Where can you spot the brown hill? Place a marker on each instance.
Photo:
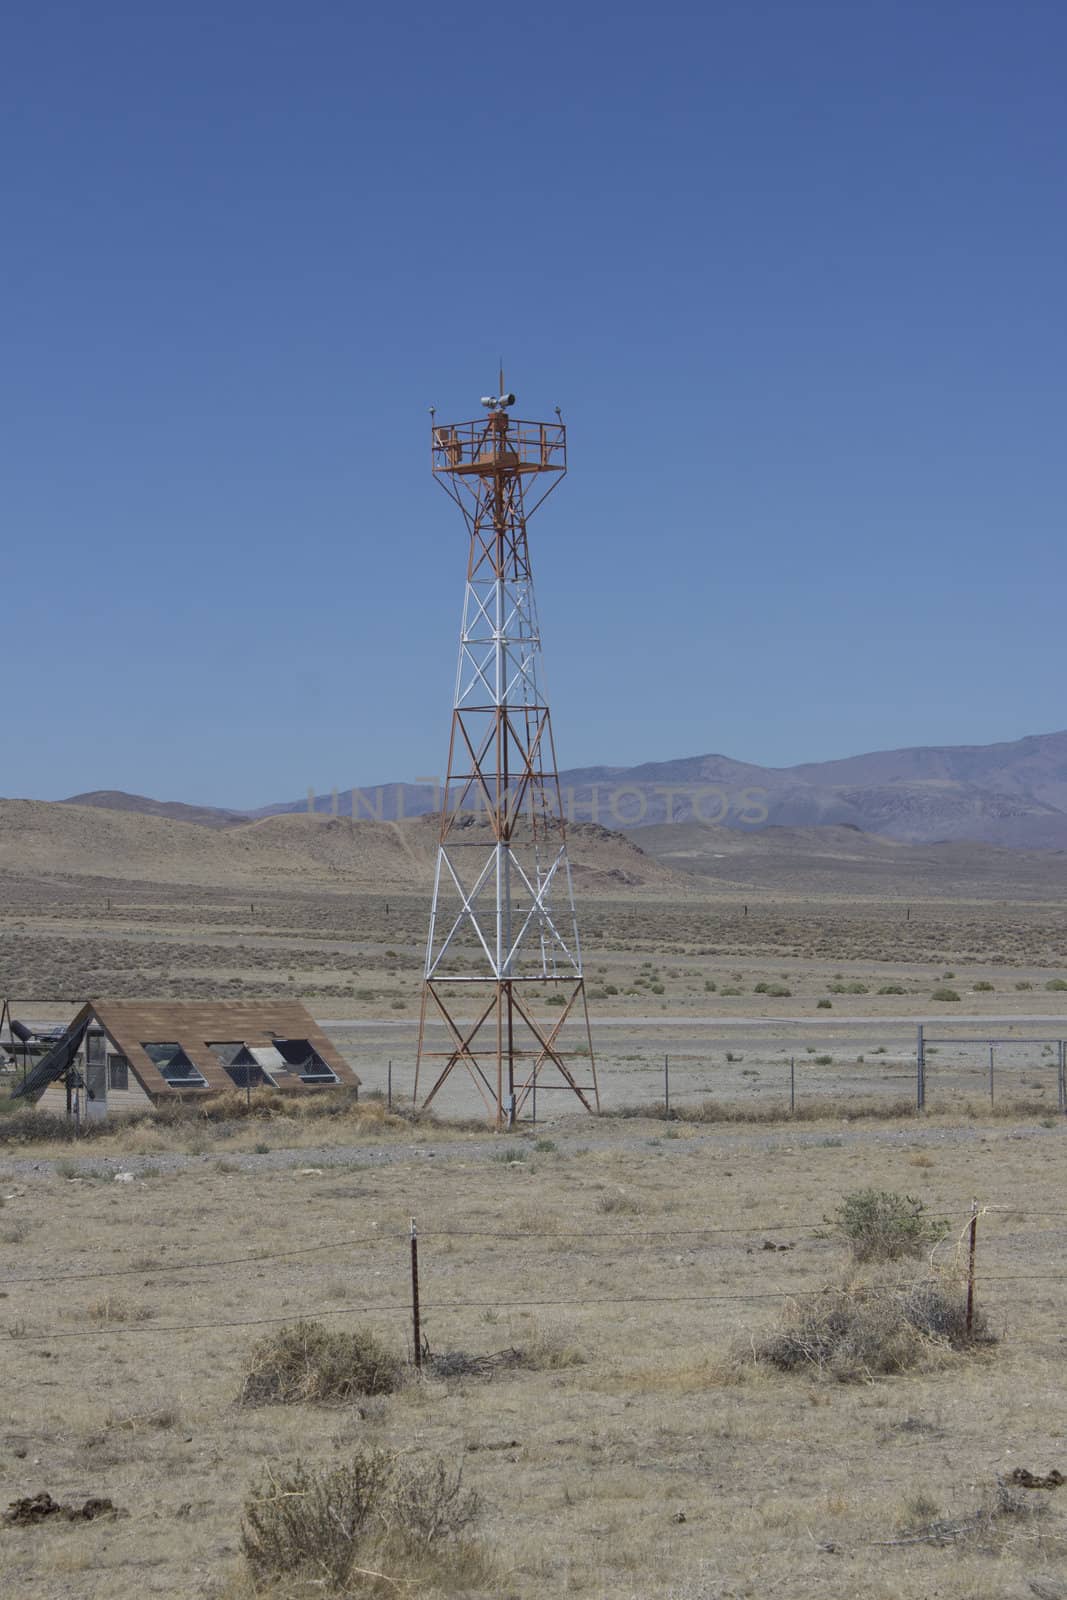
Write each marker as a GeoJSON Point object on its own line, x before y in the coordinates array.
{"type": "Point", "coordinates": [291, 851]}
{"type": "Point", "coordinates": [177, 810]}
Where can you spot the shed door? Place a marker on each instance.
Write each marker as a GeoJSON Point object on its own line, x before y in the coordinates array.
{"type": "Point", "coordinates": [96, 1090]}
{"type": "Point", "coordinates": [95, 1075]}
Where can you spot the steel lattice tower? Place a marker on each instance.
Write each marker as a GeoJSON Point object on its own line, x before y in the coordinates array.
{"type": "Point", "coordinates": [502, 925]}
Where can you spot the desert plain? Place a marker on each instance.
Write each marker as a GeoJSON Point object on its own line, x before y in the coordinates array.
{"type": "Point", "coordinates": [634, 1446]}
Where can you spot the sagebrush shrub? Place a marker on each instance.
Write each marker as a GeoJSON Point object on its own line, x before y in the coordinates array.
{"type": "Point", "coordinates": [333, 1525]}
{"type": "Point", "coordinates": [427, 1502]}
{"type": "Point", "coordinates": [881, 1225]}
{"type": "Point", "coordinates": [303, 1521]}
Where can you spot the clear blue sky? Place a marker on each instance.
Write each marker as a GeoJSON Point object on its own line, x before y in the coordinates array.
{"type": "Point", "coordinates": [794, 272]}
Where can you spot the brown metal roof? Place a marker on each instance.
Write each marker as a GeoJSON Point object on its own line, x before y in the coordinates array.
{"type": "Point", "coordinates": [195, 1024]}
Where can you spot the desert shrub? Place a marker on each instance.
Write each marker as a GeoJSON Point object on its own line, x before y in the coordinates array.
{"type": "Point", "coordinates": [861, 1331]}
{"type": "Point", "coordinates": [29, 1126]}
{"type": "Point", "coordinates": [881, 1225]}
{"type": "Point", "coordinates": [823, 1061]}
{"type": "Point", "coordinates": [775, 990]}
{"type": "Point", "coordinates": [305, 1362]}
{"type": "Point", "coordinates": [337, 1526]}
{"type": "Point", "coordinates": [944, 994]}
{"type": "Point", "coordinates": [982, 987]}
{"type": "Point", "coordinates": [303, 1521]}
{"type": "Point", "coordinates": [1023, 984]}
{"type": "Point", "coordinates": [428, 1503]}
{"type": "Point", "coordinates": [940, 1312]}
{"type": "Point", "coordinates": [824, 1005]}
{"type": "Point", "coordinates": [1056, 985]}
{"type": "Point", "coordinates": [847, 988]}
{"type": "Point", "coordinates": [710, 985]}
{"type": "Point", "coordinates": [618, 1203]}
{"type": "Point", "coordinates": [892, 988]}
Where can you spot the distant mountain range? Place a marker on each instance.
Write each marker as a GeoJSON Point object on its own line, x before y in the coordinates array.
{"type": "Point", "coordinates": [1012, 794]}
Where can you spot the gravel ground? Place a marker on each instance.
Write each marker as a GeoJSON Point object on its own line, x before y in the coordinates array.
{"type": "Point", "coordinates": [614, 1135]}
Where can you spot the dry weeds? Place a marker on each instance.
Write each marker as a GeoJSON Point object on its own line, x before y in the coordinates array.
{"type": "Point", "coordinates": [864, 1330]}
{"type": "Point", "coordinates": [307, 1363]}
{"type": "Point", "coordinates": [604, 1454]}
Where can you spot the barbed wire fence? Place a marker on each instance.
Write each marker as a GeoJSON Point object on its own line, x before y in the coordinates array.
{"type": "Point", "coordinates": [410, 1303]}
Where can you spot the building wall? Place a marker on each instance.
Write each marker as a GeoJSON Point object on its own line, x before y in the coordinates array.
{"type": "Point", "coordinates": [132, 1098]}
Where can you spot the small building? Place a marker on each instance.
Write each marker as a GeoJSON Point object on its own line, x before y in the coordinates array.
{"type": "Point", "coordinates": [128, 1055]}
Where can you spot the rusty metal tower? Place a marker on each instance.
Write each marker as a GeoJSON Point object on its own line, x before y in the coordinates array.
{"type": "Point", "coordinates": [503, 941]}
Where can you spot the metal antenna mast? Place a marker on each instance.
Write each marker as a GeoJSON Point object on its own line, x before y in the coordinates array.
{"type": "Point", "coordinates": [502, 925]}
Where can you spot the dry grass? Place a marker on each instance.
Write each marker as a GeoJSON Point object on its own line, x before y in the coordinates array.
{"type": "Point", "coordinates": [307, 1363]}
{"type": "Point", "coordinates": [603, 1453]}
{"type": "Point", "coordinates": [112, 1308]}
{"type": "Point", "coordinates": [867, 1330]}
{"type": "Point", "coordinates": [825, 1109]}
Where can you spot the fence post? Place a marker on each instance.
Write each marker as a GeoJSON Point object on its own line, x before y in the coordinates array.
{"type": "Point", "coordinates": [666, 1088]}
{"type": "Point", "coordinates": [792, 1084]}
{"type": "Point", "coordinates": [920, 1071]}
{"type": "Point", "coordinates": [970, 1266]}
{"type": "Point", "coordinates": [991, 1048]}
{"type": "Point", "coordinates": [416, 1331]}
{"type": "Point", "coordinates": [1061, 1083]}
{"type": "Point", "coordinates": [389, 1088]}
